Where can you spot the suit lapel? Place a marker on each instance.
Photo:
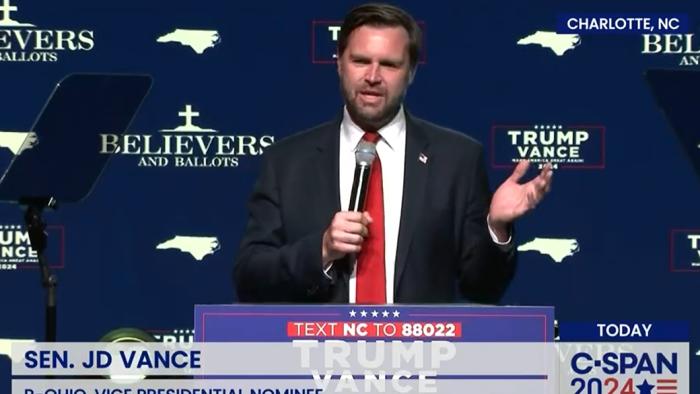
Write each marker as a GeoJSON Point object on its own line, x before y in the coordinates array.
{"type": "Point", "coordinates": [414, 184]}
{"type": "Point", "coordinates": [327, 196]}
{"type": "Point", "coordinates": [328, 192]}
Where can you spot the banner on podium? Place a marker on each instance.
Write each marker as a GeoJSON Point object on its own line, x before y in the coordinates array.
{"type": "Point", "coordinates": [389, 348]}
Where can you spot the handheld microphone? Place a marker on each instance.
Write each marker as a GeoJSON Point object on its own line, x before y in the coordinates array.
{"type": "Point", "coordinates": [364, 156]}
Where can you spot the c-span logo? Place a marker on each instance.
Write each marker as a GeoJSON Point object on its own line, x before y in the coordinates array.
{"type": "Point", "coordinates": [574, 146]}
{"type": "Point", "coordinates": [16, 251]}
{"type": "Point", "coordinates": [187, 145]}
{"type": "Point", "coordinates": [685, 250]}
{"type": "Point", "coordinates": [324, 41]}
{"type": "Point", "coordinates": [22, 41]}
{"type": "Point", "coordinates": [656, 368]}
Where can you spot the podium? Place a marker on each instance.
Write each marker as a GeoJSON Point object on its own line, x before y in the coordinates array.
{"type": "Point", "coordinates": [384, 348]}
{"type": "Point", "coordinates": [269, 323]}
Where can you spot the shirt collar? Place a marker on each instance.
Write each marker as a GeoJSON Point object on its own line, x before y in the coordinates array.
{"type": "Point", "coordinates": [391, 132]}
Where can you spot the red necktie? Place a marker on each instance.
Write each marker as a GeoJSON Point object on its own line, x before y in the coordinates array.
{"type": "Point", "coordinates": [371, 282]}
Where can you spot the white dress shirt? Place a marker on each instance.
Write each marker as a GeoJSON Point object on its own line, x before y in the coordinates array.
{"type": "Point", "coordinates": [391, 149]}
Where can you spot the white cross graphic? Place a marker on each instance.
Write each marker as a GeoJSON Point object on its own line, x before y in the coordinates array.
{"type": "Point", "coordinates": [188, 114]}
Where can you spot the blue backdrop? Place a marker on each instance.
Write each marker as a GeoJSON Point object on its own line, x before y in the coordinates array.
{"type": "Point", "coordinates": [266, 71]}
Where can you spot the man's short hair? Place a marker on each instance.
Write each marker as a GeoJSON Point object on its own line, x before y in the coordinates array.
{"type": "Point", "coordinates": [381, 15]}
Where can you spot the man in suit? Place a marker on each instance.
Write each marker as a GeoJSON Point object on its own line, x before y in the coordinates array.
{"type": "Point", "coordinates": [430, 231]}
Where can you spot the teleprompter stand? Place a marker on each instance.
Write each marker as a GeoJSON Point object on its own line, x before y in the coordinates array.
{"type": "Point", "coordinates": [60, 159]}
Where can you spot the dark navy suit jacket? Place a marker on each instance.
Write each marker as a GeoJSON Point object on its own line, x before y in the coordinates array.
{"type": "Point", "coordinates": [444, 248]}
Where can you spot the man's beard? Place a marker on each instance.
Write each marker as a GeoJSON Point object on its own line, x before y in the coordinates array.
{"type": "Point", "coordinates": [375, 120]}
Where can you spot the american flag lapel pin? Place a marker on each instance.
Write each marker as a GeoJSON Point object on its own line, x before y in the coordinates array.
{"type": "Point", "coordinates": [423, 158]}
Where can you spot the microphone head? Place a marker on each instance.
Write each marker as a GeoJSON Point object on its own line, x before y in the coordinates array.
{"type": "Point", "coordinates": [365, 153]}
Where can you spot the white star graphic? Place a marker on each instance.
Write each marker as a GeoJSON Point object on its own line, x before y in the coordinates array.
{"type": "Point", "coordinates": [375, 313]}
{"type": "Point", "coordinates": [353, 313]}
{"type": "Point", "coordinates": [363, 313]}
{"type": "Point", "coordinates": [385, 314]}
{"type": "Point", "coordinates": [396, 313]}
